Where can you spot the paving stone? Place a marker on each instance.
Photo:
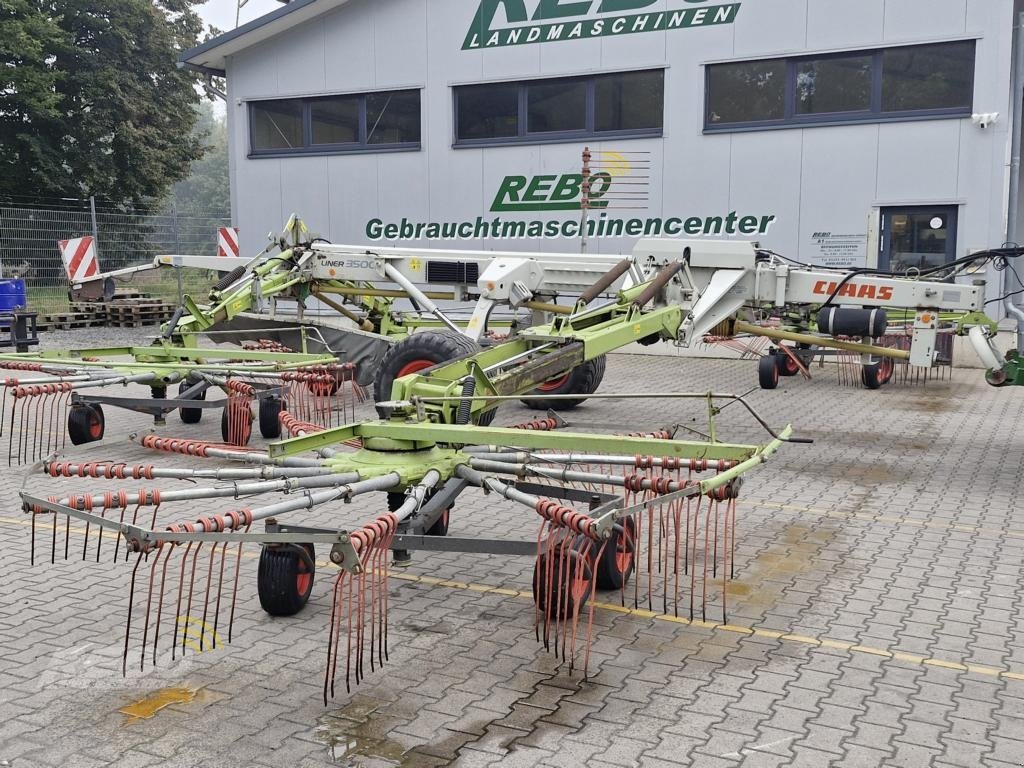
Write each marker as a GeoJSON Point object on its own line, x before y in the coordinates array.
{"type": "Point", "coordinates": [898, 530]}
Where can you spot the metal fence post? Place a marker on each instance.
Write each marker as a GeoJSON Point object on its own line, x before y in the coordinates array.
{"type": "Point", "coordinates": [95, 229]}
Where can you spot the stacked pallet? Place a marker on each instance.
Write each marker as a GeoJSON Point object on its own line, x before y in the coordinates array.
{"type": "Point", "coordinates": [125, 310]}
{"type": "Point", "coordinates": [134, 313]}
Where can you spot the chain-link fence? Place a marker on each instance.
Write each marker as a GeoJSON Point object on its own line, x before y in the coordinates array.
{"type": "Point", "coordinates": [29, 236]}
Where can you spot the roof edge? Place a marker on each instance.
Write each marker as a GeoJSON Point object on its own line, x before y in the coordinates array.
{"type": "Point", "coordinates": [186, 58]}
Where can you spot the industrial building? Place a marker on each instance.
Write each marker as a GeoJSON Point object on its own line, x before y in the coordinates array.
{"type": "Point", "coordinates": [878, 133]}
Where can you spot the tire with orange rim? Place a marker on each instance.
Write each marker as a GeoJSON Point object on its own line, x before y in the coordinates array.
{"type": "Point", "coordinates": [615, 565]}
{"type": "Point", "coordinates": [284, 578]}
{"type": "Point", "coordinates": [415, 354]}
{"type": "Point", "coordinates": [582, 380]}
{"type": "Point", "coordinates": [86, 424]}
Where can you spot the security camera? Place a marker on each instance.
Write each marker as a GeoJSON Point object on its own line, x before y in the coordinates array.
{"type": "Point", "coordinates": [984, 119]}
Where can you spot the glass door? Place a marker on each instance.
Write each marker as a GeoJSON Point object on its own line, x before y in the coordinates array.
{"type": "Point", "coordinates": [917, 237]}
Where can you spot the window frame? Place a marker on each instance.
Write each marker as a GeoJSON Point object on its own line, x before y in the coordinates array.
{"type": "Point", "coordinates": [874, 114]}
{"type": "Point", "coordinates": [525, 136]}
{"type": "Point", "coordinates": [308, 148]}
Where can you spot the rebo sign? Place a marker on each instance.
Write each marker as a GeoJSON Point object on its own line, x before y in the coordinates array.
{"type": "Point", "coordinates": [554, 20]}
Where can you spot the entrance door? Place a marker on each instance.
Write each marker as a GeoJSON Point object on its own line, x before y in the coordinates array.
{"type": "Point", "coordinates": [917, 237]}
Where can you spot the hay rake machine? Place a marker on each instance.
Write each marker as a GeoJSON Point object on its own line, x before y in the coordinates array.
{"type": "Point", "coordinates": [608, 509]}
{"type": "Point", "coordinates": [647, 511]}
{"type": "Point", "coordinates": [57, 402]}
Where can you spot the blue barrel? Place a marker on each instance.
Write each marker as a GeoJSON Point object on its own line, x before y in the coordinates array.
{"type": "Point", "coordinates": [13, 295]}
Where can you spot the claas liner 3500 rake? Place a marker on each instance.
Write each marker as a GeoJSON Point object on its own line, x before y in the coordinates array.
{"type": "Point", "coordinates": [56, 402]}
{"type": "Point", "coordinates": [659, 510]}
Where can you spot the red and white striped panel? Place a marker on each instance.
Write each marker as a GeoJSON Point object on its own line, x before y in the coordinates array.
{"type": "Point", "coordinates": [227, 241]}
{"type": "Point", "coordinates": [79, 256]}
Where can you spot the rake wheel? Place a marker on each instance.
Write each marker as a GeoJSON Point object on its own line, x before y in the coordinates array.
{"type": "Point", "coordinates": [270, 422]}
{"type": "Point", "coordinates": [582, 380]}
{"type": "Point", "coordinates": [190, 415]}
{"type": "Point", "coordinates": [284, 578]}
{"type": "Point", "coordinates": [85, 424]}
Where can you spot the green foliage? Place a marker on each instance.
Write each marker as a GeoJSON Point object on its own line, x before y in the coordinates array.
{"type": "Point", "coordinates": [92, 101]}
{"type": "Point", "coordinates": [205, 190]}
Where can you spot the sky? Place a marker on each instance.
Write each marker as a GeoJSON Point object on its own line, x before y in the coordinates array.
{"type": "Point", "coordinates": [221, 13]}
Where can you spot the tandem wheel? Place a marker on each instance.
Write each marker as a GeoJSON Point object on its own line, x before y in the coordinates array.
{"type": "Point", "coordinates": [85, 423]}
{"type": "Point", "coordinates": [284, 578]}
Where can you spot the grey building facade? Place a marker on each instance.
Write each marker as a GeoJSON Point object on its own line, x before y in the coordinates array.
{"type": "Point", "coordinates": [874, 133]}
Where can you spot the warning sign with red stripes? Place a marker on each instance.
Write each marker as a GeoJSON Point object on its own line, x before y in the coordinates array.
{"type": "Point", "coordinates": [79, 256]}
{"type": "Point", "coordinates": [227, 241]}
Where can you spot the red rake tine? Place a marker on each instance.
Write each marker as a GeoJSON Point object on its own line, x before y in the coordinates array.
{"type": "Point", "coordinates": [177, 611]}
{"type": "Point", "coordinates": [188, 602]}
{"type": "Point", "coordinates": [128, 622]}
{"type": "Point", "coordinates": [149, 608]}
{"type": "Point", "coordinates": [160, 600]}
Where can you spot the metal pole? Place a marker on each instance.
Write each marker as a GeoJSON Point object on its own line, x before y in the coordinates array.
{"type": "Point", "coordinates": [95, 229]}
{"type": "Point", "coordinates": [177, 249]}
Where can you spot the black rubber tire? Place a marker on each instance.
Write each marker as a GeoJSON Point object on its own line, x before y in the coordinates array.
{"type": "Point", "coordinates": [246, 433]}
{"type": "Point", "coordinates": [582, 380]}
{"type": "Point", "coordinates": [560, 608]}
{"type": "Point", "coordinates": [768, 372]}
{"type": "Point", "coordinates": [284, 578]}
{"type": "Point", "coordinates": [874, 376]}
{"type": "Point", "coordinates": [609, 576]}
{"type": "Point", "coordinates": [430, 346]}
{"type": "Point", "coordinates": [270, 421]}
{"type": "Point", "coordinates": [786, 365]}
{"type": "Point", "coordinates": [86, 424]}
{"type": "Point", "coordinates": [440, 526]}
{"type": "Point", "coordinates": [190, 415]}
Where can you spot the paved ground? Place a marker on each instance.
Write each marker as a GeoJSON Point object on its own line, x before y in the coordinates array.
{"type": "Point", "coordinates": [876, 618]}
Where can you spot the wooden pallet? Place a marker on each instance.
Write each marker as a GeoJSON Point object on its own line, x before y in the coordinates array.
{"type": "Point", "coordinates": [64, 321]}
{"type": "Point", "coordinates": [133, 314]}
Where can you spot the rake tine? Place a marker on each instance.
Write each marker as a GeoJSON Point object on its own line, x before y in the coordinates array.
{"type": "Point", "coordinates": [590, 617]}
{"type": "Point", "coordinates": [188, 604]}
{"type": "Point", "coordinates": [177, 610]}
{"type": "Point", "coordinates": [220, 589]}
{"type": "Point", "coordinates": [160, 600]}
{"type": "Point", "coordinates": [99, 533]}
{"type": "Point", "coordinates": [128, 623]}
{"type": "Point", "coordinates": [53, 547]}
{"type": "Point", "coordinates": [135, 520]}
{"type": "Point", "coordinates": [117, 545]}
{"type": "Point", "coordinates": [10, 432]}
{"type": "Point", "coordinates": [348, 653]}
{"type": "Point", "coordinates": [3, 401]}
{"type": "Point", "coordinates": [206, 596]}
{"type": "Point", "coordinates": [32, 542]}
{"type": "Point", "coordinates": [334, 630]}
{"type": "Point", "coordinates": [234, 591]}
{"type": "Point", "coordinates": [149, 607]}
{"type": "Point", "coordinates": [538, 580]}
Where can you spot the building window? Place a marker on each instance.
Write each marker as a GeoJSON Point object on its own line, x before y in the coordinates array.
{"type": "Point", "coordinates": [366, 122]}
{"type": "Point", "coordinates": [624, 104]}
{"type": "Point", "coordinates": [916, 81]}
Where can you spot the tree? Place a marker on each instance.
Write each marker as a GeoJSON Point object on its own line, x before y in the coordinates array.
{"type": "Point", "coordinates": [206, 190]}
{"type": "Point", "coordinates": [92, 101]}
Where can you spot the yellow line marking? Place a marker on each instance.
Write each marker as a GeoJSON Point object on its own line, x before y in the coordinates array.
{"type": "Point", "coordinates": [821, 642]}
{"type": "Point", "coordinates": [893, 519]}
